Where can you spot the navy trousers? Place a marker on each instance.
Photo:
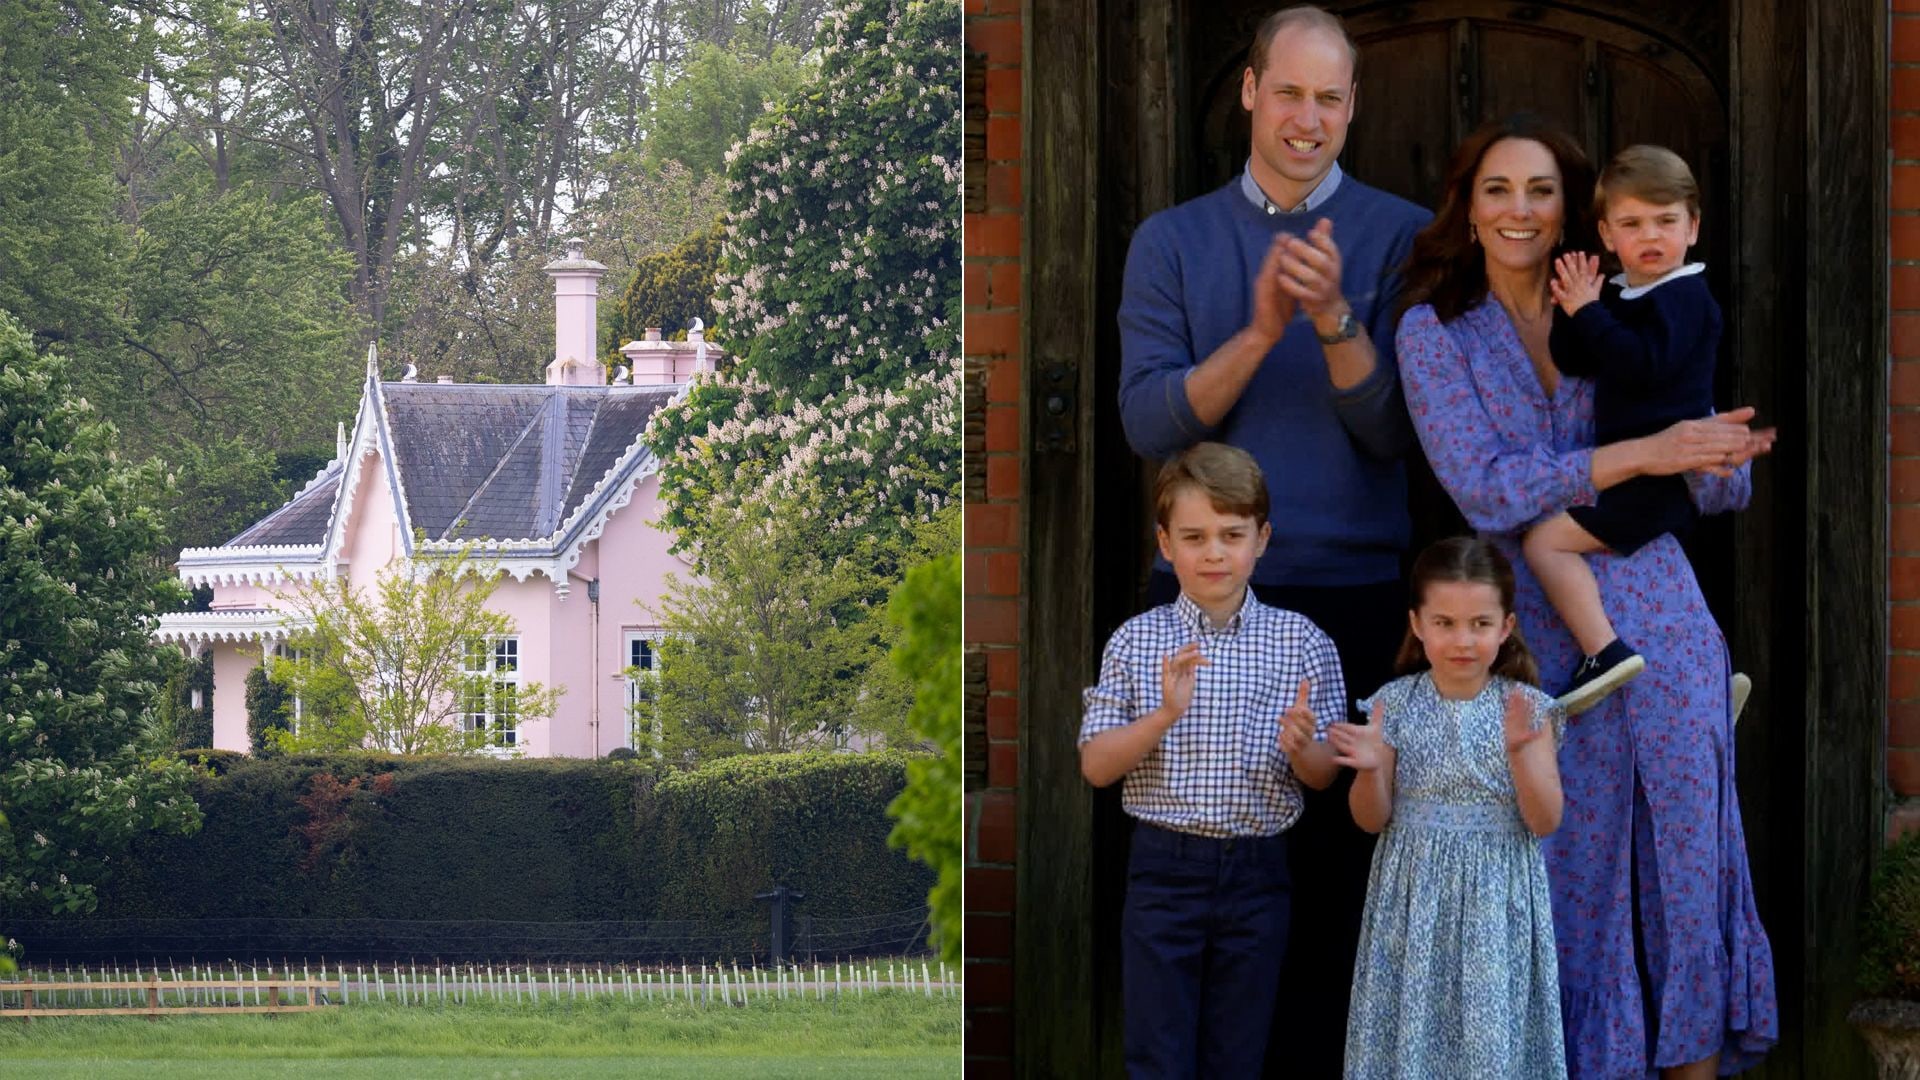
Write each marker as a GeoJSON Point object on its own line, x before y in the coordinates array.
{"type": "Point", "coordinates": [1202, 936]}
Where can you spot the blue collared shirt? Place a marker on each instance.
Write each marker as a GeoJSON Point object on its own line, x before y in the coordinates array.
{"type": "Point", "coordinates": [1323, 191]}
{"type": "Point", "coordinates": [1218, 771]}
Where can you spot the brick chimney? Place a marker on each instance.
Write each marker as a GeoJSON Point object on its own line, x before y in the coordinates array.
{"type": "Point", "coordinates": [576, 301]}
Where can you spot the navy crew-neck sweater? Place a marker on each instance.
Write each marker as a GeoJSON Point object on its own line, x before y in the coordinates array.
{"type": "Point", "coordinates": [1649, 350]}
{"type": "Point", "coordinates": [1332, 458]}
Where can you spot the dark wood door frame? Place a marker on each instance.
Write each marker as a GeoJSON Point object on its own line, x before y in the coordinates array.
{"type": "Point", "coordinates": [1808, 123]}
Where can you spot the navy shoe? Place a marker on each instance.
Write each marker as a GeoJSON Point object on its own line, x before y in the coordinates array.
{"type": "Point", "coordinates": [1600, 675]}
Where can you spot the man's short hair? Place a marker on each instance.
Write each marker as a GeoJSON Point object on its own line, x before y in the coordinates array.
{"type": "Point", "coordinates": [1652, 174]}
{"type": "Point", "coordinates": [1228, 476]}
{"type": "Point", "coordinates": [1301, 15]}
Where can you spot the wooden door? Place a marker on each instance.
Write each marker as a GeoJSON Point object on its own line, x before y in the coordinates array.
{"type": "Point", "coordinates": [1778, 104]}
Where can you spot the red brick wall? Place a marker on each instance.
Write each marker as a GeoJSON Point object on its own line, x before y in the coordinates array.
{"type": "Point", "coordinates": [994, 529]}
{"type": "Point", "coordinates": [1903, 400]}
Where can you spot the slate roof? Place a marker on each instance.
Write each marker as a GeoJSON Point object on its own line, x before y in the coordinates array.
{"type": "Point", "coordinates": [483, 461]}
{"type": "Point", "coordinates": [303, 520]}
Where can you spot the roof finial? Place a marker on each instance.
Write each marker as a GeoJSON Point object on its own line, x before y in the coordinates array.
{"type": "Point", "coordinates": [340, 442]}
{"type": "Point", "coordinates": [373, 359]}
{"type": "Point", "coordinates": [697, 333]}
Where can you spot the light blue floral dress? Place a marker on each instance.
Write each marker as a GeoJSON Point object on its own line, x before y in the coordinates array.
{"type": "Point", "coordinates": [1455, 975]}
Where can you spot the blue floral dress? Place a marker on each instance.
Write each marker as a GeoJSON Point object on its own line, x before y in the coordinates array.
{"type": "Point", "coordinates": [1456, 975]}
{"type": "Point", "coordinates": [1652, 823]}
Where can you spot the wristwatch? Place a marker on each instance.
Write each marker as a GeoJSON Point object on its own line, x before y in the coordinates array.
{"type": "Point", "coordinates": [1346, 329]}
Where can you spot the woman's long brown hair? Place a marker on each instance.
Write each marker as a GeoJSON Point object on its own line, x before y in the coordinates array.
{"type": "Point", "coordinates": [1446, 268]}
{"type": "Point", "coordinates": [1474, 561]}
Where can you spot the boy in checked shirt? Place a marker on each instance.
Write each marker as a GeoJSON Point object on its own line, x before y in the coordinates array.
{"type": "Point", "coordinates": [1214, 709]}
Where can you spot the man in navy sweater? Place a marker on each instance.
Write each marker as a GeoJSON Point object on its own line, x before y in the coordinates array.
{"type": "Point", "coordinates": [1262, 315]}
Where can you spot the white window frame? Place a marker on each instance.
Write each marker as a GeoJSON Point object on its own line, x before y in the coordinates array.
{"type": "Point", "coordinates": [495, 659]}
{"type": "Point", "coordinates": [282, 651]}
{"type": "Point", "coordinates": [645, 640]}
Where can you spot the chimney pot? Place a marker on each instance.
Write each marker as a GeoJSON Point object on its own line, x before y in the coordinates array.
{"type": "Point", "coordinates": [653, 333]}
{"type": "Point", "coordinates": [444, 380]}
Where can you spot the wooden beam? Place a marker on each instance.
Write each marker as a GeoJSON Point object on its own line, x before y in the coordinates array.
{"type": "Point", "coordinates": [1056, 1022]}
{"type": "Point", "coordinates": [1846, 527]}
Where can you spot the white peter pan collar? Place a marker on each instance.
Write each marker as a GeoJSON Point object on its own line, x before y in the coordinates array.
{"type": "Point", "coordinates": [1635, 292]}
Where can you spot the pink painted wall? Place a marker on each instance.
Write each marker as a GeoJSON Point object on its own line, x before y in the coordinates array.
{"type": "Point", "coordinates": [231, 663]}
{"type": "Point", "coordinates": [228, 597]}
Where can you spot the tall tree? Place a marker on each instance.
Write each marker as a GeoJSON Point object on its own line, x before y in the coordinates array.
{"type": "Point", "coordinates": [79, 673]}
{"type": "Point", "coordinates": [65, 81]}
{"type": "Point", "coordinates": [713, 101]}
{"type": "Point", "coordinates": [840, 283]}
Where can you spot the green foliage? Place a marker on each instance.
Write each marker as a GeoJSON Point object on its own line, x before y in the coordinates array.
{"type": "Point", "coordinates": [643, 211]}
{"type": "Point", "coordinates": [1891, 961]}
{"type": "Point", "coordinates": [840, 283]}
{"type": "Point", "coordinates": [269, 710]}
{"type": "Point", "coordinates": [771, 649]}
{"type": "Point", "coordinates": [843, 254]}
{"type": "Point", "coordinates": [547, 840]}
{"type": "Point", "coordinates": [221, 486]}
{"type": "Point", "coordinates": [239, 323]}
{"type": "Point", "coordinates": [79, 588]}
{"type": "Point", "coordinates": [392, 670]}
{"type": "Point", "coordinates": [927, 607]}
{"type": "Point", "coordinates": [670, 289]}
{"type": "Point", "coordinates": [65, 68]}
{"type": "Point", "coordinates": [178, 723]}
{"type": "Point", "coordinates": [714, 100]}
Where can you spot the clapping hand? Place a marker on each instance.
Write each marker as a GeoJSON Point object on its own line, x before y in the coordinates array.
{"type": "Point", "coordinates": [1273, 306]}
{"type": "Point", "coordinates": [1310, 270]}
{"type": "Point", "coordinates": [1576, 281]}
{"type": "Point", "coordinates": [1296, 724]}
{"type": "Point", "coordinates": [1519, 722]}
{"type": "Point", "coordinates": [1361, 747]}
{"type": "Point", "coordinates": [1178, 673]}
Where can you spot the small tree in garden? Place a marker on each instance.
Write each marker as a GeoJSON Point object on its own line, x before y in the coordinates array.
{"type": "Point", "coordinates": [417, 667]}
{"type": "Point", "coordinates": [840, 280]}
{"type": "Point", "coordinates": [80, 589]}
{"type": "Point", "coordinates": [927, 608]}
{"type": "Point", "coordinates": [772, 649]}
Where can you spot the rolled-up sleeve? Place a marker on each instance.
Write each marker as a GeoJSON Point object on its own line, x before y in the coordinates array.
{"type": "Point", "coordinates": [1114, 701]}
{"type": "Point", "coordinates": [1499, 485]}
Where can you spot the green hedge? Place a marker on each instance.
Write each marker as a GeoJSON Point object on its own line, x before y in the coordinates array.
{"type": "Point", "coordinates": [471, 842]}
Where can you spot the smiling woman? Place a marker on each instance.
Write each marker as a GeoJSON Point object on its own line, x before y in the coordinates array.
{"type": "Point", "coordinates": [1634, 873]}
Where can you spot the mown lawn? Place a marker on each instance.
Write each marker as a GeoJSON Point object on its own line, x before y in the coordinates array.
{"type": "Point", "coordinates": [884, 1035]}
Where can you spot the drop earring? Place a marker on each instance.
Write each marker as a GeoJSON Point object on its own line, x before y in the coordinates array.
{"type": "Point", "coordinates": [1473, 234]}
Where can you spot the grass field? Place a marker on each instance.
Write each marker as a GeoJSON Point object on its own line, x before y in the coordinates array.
{"type": "Point", "coordinates": [883, 1035]}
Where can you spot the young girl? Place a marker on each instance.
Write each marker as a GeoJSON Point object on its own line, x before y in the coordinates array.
{"type": "Point", "coordinates": [1456, 974]}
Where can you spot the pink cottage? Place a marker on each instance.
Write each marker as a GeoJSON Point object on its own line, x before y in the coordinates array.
{"type": "Point", "coordinates": [551, 481]}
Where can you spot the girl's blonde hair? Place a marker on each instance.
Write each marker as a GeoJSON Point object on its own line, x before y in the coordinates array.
{"type": "Point", "coordinates": [1474, 561]}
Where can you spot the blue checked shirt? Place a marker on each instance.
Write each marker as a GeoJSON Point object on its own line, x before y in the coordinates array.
{"type": "Point", "coordinates": [1218, 771]}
